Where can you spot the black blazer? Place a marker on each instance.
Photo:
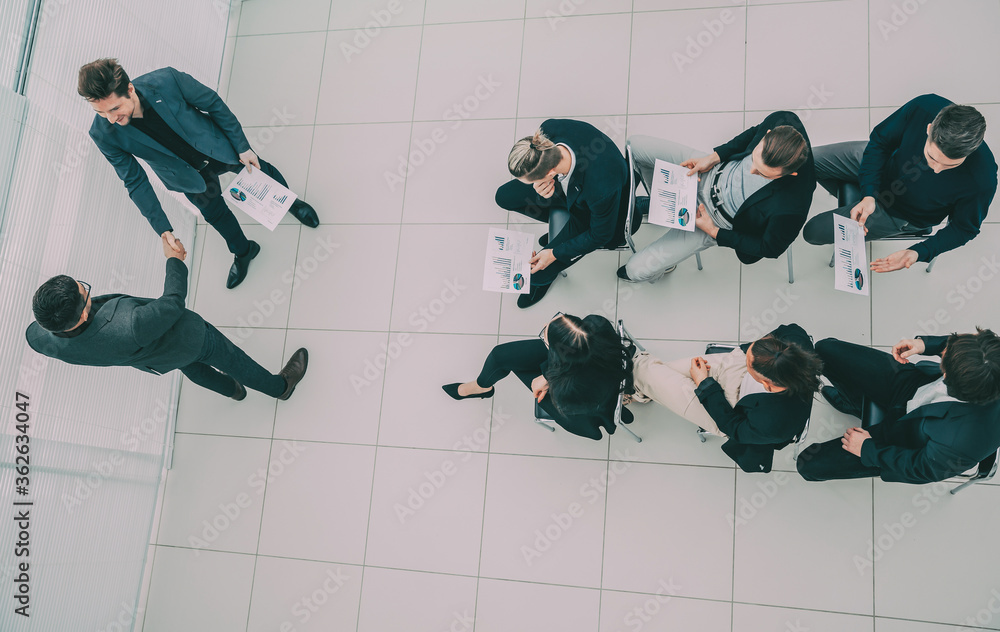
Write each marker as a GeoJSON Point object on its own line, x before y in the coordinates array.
{"type": "Point", "coordinates": [770, 219]}
{"type": "Point", "coordinates": [760, 423]}
{"type": "Point", "coordinates": [153, 335]}
{"type": "Point", "coordinates": [936, 441]}
{"type": "Point", "coordinates": [598, 189]}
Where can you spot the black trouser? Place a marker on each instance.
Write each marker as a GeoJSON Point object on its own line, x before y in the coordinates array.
{"type": "Point", "coordinates": [221, 362]}
{"type": "Point", "coordinates": [522, 198]}
{"type": "Point", "coordinates": [214, 208]}
{"type": "Point", "coordinates": [860, 372]}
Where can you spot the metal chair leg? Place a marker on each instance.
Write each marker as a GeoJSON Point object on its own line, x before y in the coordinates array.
{"type": "Point", "coordinates": [637, 438]}
{"type": "Point", "coordinates": [702, 434]}
{"type": "Point", "coordinates": [832, 257]}
{"type": "Point", "coordinates": [930, 265]}
{"type": "Point", "coordinates": [545, 425]}
{"type": "Point", "coordinates": [964, 485]}
{"type": "Point", "coordinates": [697, 258]}
{"type": "Point", "coordinates": [791, 273]}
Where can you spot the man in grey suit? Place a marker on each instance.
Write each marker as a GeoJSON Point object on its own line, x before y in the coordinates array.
{"type": "Point", "coordinates": [188, 136]}
{"type": "Point", "coordinates": [152, 335]}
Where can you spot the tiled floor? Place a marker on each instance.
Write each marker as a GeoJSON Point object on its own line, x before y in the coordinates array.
{"type": "Point", "coordinates": [370, 502]}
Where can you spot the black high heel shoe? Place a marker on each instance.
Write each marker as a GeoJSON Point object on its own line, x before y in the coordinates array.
{"type": "Point", "coordinates": [452, 390]}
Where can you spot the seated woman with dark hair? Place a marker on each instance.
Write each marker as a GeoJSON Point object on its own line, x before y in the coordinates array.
{"type": "Point", "coordinates": [759, 395]}
{"type": "Point", "coordinates": [575, 371]}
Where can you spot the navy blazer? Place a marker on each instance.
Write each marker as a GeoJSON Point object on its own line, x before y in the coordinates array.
{"type": "Point", "coordinates": [769, 220]}
{"type": "Point", "coordinates": [153, 335]}
{"type": "Point", "coordinates": [935, 441]}
{"type": "Point", "coordinates": [196, 113]}
{"type": "Point", "coordinates": [760, 423]}
{"type": "Point", "coordinates": [598, 189]}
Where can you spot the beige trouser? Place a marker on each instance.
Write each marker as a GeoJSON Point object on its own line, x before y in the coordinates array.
{"type": "Point", "coordinates": [670, 384]}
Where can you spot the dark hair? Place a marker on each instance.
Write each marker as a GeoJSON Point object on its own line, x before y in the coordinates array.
{"type": "Point", "coordinates": [785, 149]}
{"type": "Point", "coordinates": [590, 344]}
{"type": "Point", "coordinates": [971, 365]}
{"type": "Point", "coordinates": [787, 364]}
{"type": "Point", "coordinates": [958, 130]}
{"type": "Point", "coordinates": [57, 303]}
{"type": "Point", "coordinates": [533, 156]}
{"type": "Point", "coordinates": [102, 78]}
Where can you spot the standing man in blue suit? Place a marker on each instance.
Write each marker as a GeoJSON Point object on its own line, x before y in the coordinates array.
{"type": "Point", "coordinates": [188, 136]}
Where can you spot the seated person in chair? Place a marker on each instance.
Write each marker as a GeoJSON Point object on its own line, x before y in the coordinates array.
{"type": "Point", "coordinates": [759, 395]}
{"type": "Point", "coordinates": [754, 195]}
{"type": "Point", "coordinates": [924, 163]}
{"type": "Point", "coordinates": [940, 420]}
{"type": "Point", "coordinates": [568, 165]}
{"type": "Point", "coordinates": [575, 370]}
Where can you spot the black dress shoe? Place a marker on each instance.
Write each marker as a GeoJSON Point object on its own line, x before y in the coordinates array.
{"type": "Point", "coordinates": [294, 371]}
{"type": "Point", "coordinates": [622, 274]}
{"type": "Point", "coordinates": [304, 213]}
{"type": "Point", "coordinates": [534, 295]}
{"type": "Point", "coordinates": [241, 264]}
{"type": "Point", "coordinates": [641, 206]}
{"type": "Point", "coordinates": [543, 240]}
{"type": "Point", "coordinates": [839, 402]}
{"type": "Point", "coordinates": [452, 390]}
{"type": "Point", "coordinates": [240, 393]}
{"type": "Point", "coordinates": [627, 416]}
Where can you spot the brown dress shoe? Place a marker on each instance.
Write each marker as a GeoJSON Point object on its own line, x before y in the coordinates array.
{"type": "Point", "coordinates": [294, 371]}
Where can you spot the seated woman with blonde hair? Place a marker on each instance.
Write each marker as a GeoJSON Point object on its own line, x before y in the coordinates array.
{"type": "Point", "coordinates": [759, 395]}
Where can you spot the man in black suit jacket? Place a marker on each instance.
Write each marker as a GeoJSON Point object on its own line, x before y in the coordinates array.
{"type": "Point", "coordinates": [570, 165]}
{"type": "Point", "coordinates": [754, 195]}
{"type": "Point", "coordinates": [941, 421]}
{"type": "Point", "coordinates": [152, 335]}
{"type": "Point", "coordinates": [188, 136]}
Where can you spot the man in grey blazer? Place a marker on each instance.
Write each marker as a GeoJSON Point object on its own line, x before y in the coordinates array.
{"type": "Point", "coordinates": [152, 335]}
{"type": "Point", "coordinates": [188, 136]}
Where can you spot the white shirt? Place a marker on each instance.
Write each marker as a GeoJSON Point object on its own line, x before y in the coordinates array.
{"type": "Point", "coordinates": [750, 386]}
{"type": "Point", "coordinates": [564, 180]}
{"type": "Point", "coordinates": [932, 393]}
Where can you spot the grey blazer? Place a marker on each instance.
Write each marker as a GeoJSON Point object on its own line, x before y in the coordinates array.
{"type": "Point", "coordinates": [196, 113]}
{"type": "Point", "coordinates": [153, 335]}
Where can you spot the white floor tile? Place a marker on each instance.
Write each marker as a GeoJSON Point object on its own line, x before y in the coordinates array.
{"type": "Point", "coordinates": [349, 94]}
{"type": "Point", "coordinates": [594, 83]}
{"type": "Point", "coordinates": [303, 595]}
{"type": "Point", "coordinates": [421, 601]}
{"type": "Point", "coordinates": [908, 519]}
{"type": "Point", "coordinates": [344, 265]}
{"type": "Point", "coordinates": [270, 16]}
{"type": "Point", "coordinates": [346, 190]}
{"type": "Point", "coordinates": [375, 14]}
{"type": "Point", "coordinates": [509, 605]}
{"type": "Point", "coordinates": [668, 523]}
{"type": "Point", "coordinates": [688, 61]}
{"type": "Point", "coordinates": [662, 612]}
{"type": "Point", "coordinates": [417, 413]}
{"type": "Point", "coordinates": [427, 508]}
{"type": "Point", "coordinates": [206, 592]}
{"type": "Point", "coordinates": [443, 185]}
{"type": "Point", "coordinates": [469, 71]}
{"type": "Point", "coordinates": [813, 29]}
{"type": "Point", "coordinates": [555, 11]}
{"type": "Point", "coordinates": [961, 30]}
{"type": "Point", "coordinates": [340, 398]}
{"type": "Point", "coordinates": [222, 516]}
{"type": "Point", "coordinates": [792, 542]}
{"type": "Point", "coordinates": [698, 131]}
{"type": "Point", "coordinates": [544, 520]}
{"type": "Point", "coordinates": [292, 65]}
{"type": "Point", "coordinates": [901, 625]}
{"type": "Point", "coordinates": [439, 290]}
{"type": "Point", "coordinates": [202, 411]}
{"type": "Point", "coordinates": [262, 299]}
{"type": "Point", "coordinates": [750, 618]}
{"type": "Point", "coordinates": [472, 10]}
{"type": "Point", "coordinates": [316, 503]}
